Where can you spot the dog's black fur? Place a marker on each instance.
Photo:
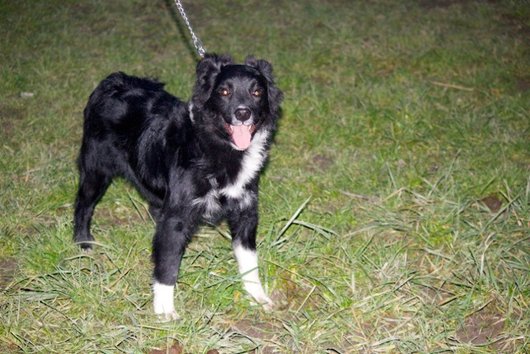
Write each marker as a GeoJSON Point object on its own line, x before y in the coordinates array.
{"type": "Point", "coordinates": [182, 157]}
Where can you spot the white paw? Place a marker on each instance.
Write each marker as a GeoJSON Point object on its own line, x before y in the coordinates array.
{"type": "Point", "coordinates": [260, 297]}
{"type": "Point", "coordinates": [267, 303]}
{"type": "Point", "coordinates": [167, 317]}
{"type": "Point", "coordinates": [163, 302]}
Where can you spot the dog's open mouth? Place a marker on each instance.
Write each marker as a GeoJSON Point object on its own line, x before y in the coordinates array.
{"type": "Point", "coordinates": [241, 134]}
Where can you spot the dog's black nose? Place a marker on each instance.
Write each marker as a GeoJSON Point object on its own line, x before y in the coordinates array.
{"type": "Point", "coordinates": [242, 114]}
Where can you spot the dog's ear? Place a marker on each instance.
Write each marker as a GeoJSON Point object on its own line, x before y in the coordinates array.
{"type": "Point", "coordinates": [207, 70]}
{"type": "Point", "coordinates": [274, 95]}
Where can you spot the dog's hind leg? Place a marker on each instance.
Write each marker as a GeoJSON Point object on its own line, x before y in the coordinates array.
{"type": "Point", "coordinates": [92, 186]}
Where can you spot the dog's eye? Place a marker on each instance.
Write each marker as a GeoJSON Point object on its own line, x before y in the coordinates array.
{"type": "Point", "coordinates": [224, 92]}
{"type": "Point", "coordinates": [257, 93]}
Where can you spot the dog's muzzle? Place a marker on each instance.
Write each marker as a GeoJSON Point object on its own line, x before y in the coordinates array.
{"type": "Point", "coordinates": [241, 127]}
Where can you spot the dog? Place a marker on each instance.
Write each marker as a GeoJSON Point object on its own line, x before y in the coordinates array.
{"type": "Point", "coordinates": [193, 162]}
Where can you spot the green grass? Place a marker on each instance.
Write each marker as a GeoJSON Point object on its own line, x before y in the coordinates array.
{"type": "Point", "coordinates": [400, 117]}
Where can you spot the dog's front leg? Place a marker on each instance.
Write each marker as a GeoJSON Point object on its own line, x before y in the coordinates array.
{"type": "Point", "coordinates": [243, 225]}
{"type": "Point", "coordinates": [174, 230]}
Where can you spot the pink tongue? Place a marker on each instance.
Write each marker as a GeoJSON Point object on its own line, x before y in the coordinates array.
{"type": "Point", "coordinates": [241, 136]}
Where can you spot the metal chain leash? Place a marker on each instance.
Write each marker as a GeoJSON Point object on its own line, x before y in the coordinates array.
{"type": "Point", "coordinates": [196, 41]}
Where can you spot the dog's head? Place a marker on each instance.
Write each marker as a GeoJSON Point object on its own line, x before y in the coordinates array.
{"type": "Point", "coordinates": [234, 102]}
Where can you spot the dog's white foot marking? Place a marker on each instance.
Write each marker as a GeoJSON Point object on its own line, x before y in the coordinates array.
{"type": "Point", "coordinates": [247, 261]}
{"type": "Point", "coordinates": [163, 302]}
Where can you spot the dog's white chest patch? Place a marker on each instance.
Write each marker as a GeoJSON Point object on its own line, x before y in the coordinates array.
{"type": "Point", "coordinates": [251, 164]}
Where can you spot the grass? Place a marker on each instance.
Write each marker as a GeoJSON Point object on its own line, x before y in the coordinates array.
{"type": "Point", "coordinates": [394, 209]}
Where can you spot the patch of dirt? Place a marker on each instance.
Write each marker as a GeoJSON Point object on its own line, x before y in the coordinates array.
{"type": "Point", "coordinates": [176, 348]}
{"type": "Point", "coordinates": [320, 162]}
{"type": "Point", "coordinates": [434, 4]}
{"type": "Point", "coordinates": [8, 267]}
{"type": "Point", "coordinates": [9, 348]}
{"type": "Point", "coordinates": [523, 84]}
{"type": "Point", "coordinates": [263, 331]}
{"type": "Point", "coordinates": [8, 117]}
{"type": "Point", "coordinates": [492, 202]}
{"type": "Point", "coordinates": [516, 25]}
{"type": "Point", "coordinates": [485, 328]}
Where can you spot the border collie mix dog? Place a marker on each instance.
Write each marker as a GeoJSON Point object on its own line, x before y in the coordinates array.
{"type": "Point", "coordinates": [191, 161]}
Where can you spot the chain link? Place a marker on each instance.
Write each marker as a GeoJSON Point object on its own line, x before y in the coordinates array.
{"type": "Point", "coordinates": [196, 41]}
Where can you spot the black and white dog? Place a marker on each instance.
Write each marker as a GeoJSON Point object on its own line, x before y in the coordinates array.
{"type": "Point", "coordinates": [191, 161]}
